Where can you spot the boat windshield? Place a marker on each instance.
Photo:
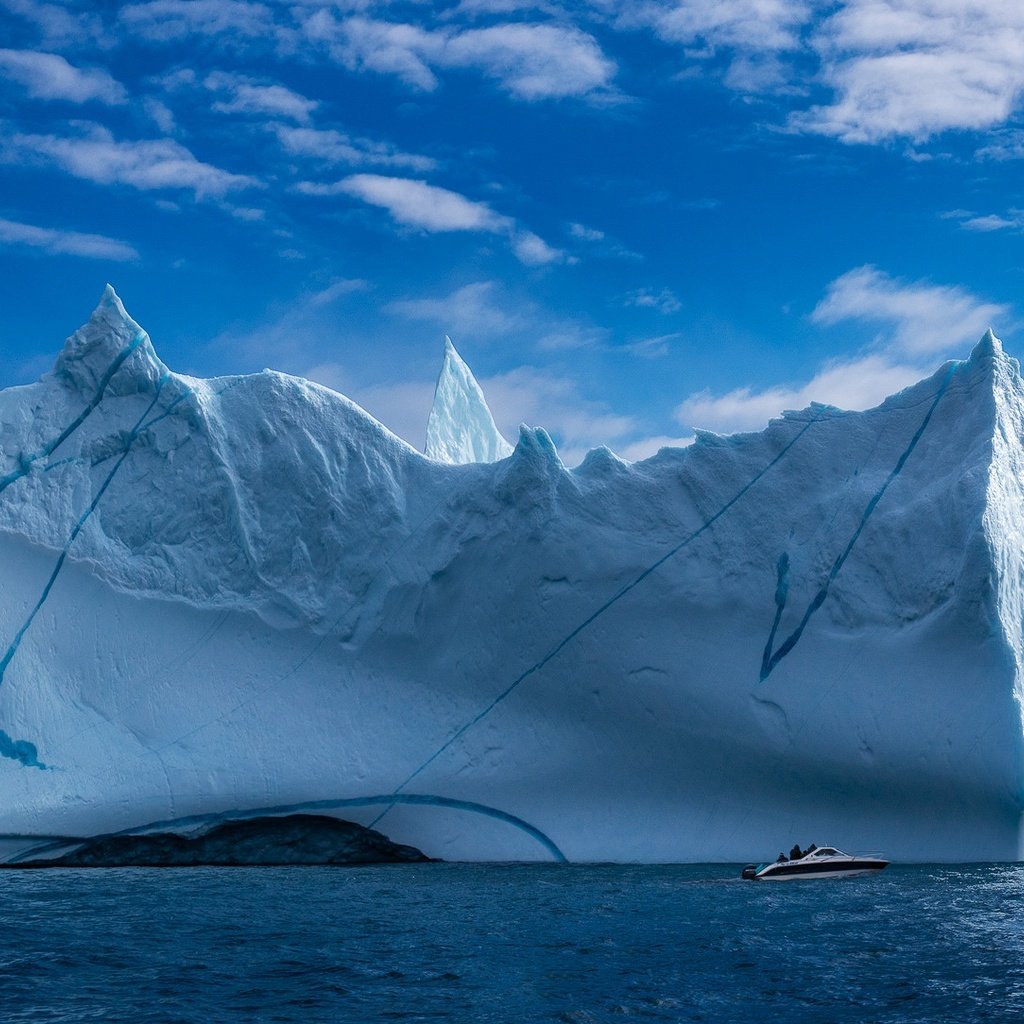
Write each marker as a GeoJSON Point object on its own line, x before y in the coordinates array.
{"type": "Point", "coordinates": [827, 851]}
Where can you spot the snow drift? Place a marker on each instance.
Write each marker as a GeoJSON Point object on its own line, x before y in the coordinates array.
{"type": "Point", "coordinates": [245, 593]}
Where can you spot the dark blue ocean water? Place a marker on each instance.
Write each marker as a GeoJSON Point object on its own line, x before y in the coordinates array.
{"type": "Point", "coordinates": [510, 943]}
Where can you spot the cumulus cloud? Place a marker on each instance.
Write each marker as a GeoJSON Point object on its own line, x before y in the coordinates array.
{"type": "Point", "coordinates": [533, 251]}
{"type": "Point", "coordinates": [48, 76]}
{"type": "Point", "coordinates": [895, 68]}
{"type": "Point", "coordinates": [914, 68]}
{"type": "Point", "coordinates": [918, 320]}
{"type": "Point", "coordinates": [148, 164]}
{"type": "Point", "coordinates": [65, 243]}
{"type": "Point", "coordinates": [529, 61]}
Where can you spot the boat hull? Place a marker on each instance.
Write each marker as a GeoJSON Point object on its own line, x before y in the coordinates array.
{"type": "Point", "coordinates": [791, 872]}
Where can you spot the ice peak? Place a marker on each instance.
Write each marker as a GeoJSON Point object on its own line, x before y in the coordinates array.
{"type": "Point", "coordinates": [460, 428]}
{"type": "Point", "coordinates": [989, 345]}
{"type": "Point", "coordinates": [111, 339]}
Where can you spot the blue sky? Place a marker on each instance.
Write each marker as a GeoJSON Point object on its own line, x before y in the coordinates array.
{"type": "Point", "coordinates": [633, 218]}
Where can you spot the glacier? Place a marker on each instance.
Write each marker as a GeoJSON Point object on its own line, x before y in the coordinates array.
{"type": "Point", "coordinates": [231, 597]}
{"type": "Point", "coordinates": [460, 427]}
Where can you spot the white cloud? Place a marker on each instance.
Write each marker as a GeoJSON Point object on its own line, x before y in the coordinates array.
{"type": "Point", "coordinates": [228, 20]}
{"type": "Point", "coordinates": [337, 290]}
{"type": "Point", "coordinates": [403, 407]}
{"type": "Point", "coordinates": [856, 384]}
{"type": "Point", "coordinates": [664, 301]}
{"type": "Point", "coordinates": [634, 451]}
{"type": "Point", "coordinates": [335, 147]}
{"type": "Point", "coordinates": [149, 164]}
{"type": "Point", "coordinates": [534, 251]}
{"type": "Point", "coordinates": [416, 204]}
{"type": "Point", "coordinates": [746, 25]}
{"type": "Point", "coordinates": [921, 321]}
{"type": "Point", "coordinates": [471, 312]}
{"type": "Point", "coordinates": [553, 401]}
{"type": "Point", "coordinates": [244, 95]}
{"type": "Point", "coordinates": [1013, 221]}
{"type": "Point", "coordinates": [921, 318]}
{"type": "Point", "coordinates": [413, 203]}
{"type": "Point", "coordinates": [653, 348]}
{"type": "Point", "coordinates": [60, 26]}
{"type": "Point", "coordinates": [70, 243]}
{"type": "Point", "coordinates": [160, 114]}
{"type": "Point", "coordinates": [529, 61]}
{"type": "Point", "coordinates": [914, 68]}
{"type": "Point", "coordinates": [533, 62]}
{"type": "Point", "coordinates": [48, 76]}
{"type": "Point", "coordinates": [585, 234]}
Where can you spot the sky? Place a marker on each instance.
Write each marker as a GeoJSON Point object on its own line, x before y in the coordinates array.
{"type": "Point", "coordinates": [634, 218]}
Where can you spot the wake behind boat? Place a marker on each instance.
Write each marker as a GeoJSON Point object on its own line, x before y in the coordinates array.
{"type": "Point", "coordinates": [823, 862]}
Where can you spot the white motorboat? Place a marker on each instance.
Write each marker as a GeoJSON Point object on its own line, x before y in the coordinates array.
{"type": "Point", "coordinates": [824, 862]}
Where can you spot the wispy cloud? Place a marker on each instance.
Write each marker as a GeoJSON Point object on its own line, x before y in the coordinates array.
{"type": "Point", "coordinates": [851, 384]}
{"type": "Point", "coordinates": [529, 61]}
{"type": "Point", "coordinates": [473, 311]}
{"type": "Point", "coordinates": [97, 156]}
{"type": "Point", "coordinates": [548, 399]}
{"type": "Point", "coordinates": [662, 301]}
{"type": "Point", "coordinates": [333, 147]}
{"type": "Point", "coordinates": [416, 204]}
{"type": "Point", "coordinates": [65, 243]}
{"type": "Point", "coordinates": [413, 203]}
{"type": "Point", "coordinates": [1012, 220]}
{"type": "Point", "coordinates": [249, 96]}
{"type": "Point", "coordinates": [918, 320]}
{"type": "Point", "coordinates": [229, 21]}
{"type": "Point", "coordinates": [918, 317]}
{"type": "Point", "coordinates": [60, 25]}
{"type": "Point", "coordinates": [48, 76]}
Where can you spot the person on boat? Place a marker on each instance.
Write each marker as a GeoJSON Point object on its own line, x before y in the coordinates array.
{"type": "Point", "coordinates": [795, 853]}
{"type": "Point", "coordinates": [810, 849]}
{"type": "Point", "coordinates": [782, 859]}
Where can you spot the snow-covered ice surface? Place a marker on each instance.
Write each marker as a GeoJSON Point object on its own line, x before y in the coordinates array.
{"type": "Point", "coordinates": [460, 427]}
{"type": "Point", "coordinates": [245, 592]}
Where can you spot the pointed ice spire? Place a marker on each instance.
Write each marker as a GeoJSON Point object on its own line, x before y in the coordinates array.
{"type": "Point", "coordinates": [460, 428]}
{"type": "Point", "coordinates": [109, 339]}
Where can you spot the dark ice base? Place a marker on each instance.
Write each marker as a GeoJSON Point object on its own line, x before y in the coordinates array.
{"type": "Point", "coordinates": [294, 839]}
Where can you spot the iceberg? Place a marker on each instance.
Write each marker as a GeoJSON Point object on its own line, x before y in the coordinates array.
{"type": "Point", "coordinates": [460, 427]}
{"type": "Point", "coordinates": [245, 596]}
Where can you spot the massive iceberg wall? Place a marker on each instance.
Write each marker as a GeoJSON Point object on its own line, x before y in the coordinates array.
{"type": "Point", "coordinates": [243, 593]}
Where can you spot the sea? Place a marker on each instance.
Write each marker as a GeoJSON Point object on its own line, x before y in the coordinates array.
{"type": "Point", "coordinates": [516, 943]}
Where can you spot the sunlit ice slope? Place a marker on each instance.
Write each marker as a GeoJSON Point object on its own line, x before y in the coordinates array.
{"type": "Point", "coordinates": [244, 593]}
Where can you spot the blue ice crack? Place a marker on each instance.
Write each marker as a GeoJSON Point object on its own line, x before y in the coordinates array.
{"type": "Point", "coordinates": [22, 750]}
{"type": "Point", "coordinates": [613, 600]}
{"type": "Point", "coordinates": [770, 658]}
{"type": "Point", "coordinates": [25, 462]}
